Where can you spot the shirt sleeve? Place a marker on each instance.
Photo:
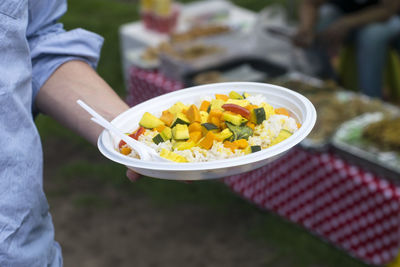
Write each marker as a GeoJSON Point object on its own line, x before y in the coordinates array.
{"type": "Point", "coordinates": [51, 46]}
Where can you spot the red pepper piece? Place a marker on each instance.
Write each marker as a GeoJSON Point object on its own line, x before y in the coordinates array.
{"type": "Point", "coordinates": [135, 135]}
{"type": "Point", "coordinates": [237, 109]}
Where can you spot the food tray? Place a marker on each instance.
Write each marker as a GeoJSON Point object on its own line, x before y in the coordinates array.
{"type": "Point", "coordinates": [349, 144]}
{"type": "Point", "coordinates": [226, 47]}
{"type": "Point", "coordinates": [334, 106]}
{"type": "Point", "coordinates": [242, 67]}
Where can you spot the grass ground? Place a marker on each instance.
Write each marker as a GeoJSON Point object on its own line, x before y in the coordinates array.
{"type": "Point", "coordinates": [71, 179]}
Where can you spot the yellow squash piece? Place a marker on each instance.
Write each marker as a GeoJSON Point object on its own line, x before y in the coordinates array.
{"type": "Point", "coordinates": [150, 121]}
{"type": "Point", "coordinates": [172, 156]}
{"type": "Point", "coordinates": [185, 145]}
{"type": "Point", "coordinates": [283, 134]}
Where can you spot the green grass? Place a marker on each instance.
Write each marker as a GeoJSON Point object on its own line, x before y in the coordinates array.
{"type": "Point", "coordinates": [292, 242]}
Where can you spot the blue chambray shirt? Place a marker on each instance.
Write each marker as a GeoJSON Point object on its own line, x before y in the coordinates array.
{"type": "Point", "coordinates": [32, 46]}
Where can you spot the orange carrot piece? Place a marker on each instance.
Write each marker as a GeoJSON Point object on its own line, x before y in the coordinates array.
{"type": "Point", "coordinates": [282, 111]}
{"type": "Point", "coordinates": [167, 117]}
{"type": "Point", "coordinates": [222, 97]}
{"type": "Point", "coordinates": [207, 141]}
{"type": "Point", "coordinates": [241, 143]}
{"type": "Point", "coordinates": [195, 127]}
{"type": "Point", "coordinates": [231, 145]}
{"type": "Point", "coordinates": [204, 105]}
{"type": "Point", "coordinates": [193, 114]}
{"type": "Point", "coordinates": [160, 128]}
{"type": "Point", "coordinates": [195, 136]}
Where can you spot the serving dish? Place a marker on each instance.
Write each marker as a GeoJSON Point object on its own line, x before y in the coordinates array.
{"type": "Point", "coordinates": [350, 143]}
{"type": "Point", "coordinates": [334, 106]}
{"type": "Point", "coordinates": [299, 107]}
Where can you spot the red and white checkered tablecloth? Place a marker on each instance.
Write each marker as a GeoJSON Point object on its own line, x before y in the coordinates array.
{"type": "Point", "coordinates": [146, 84]}
{"type": "Point", "coordinates": [355, 210]}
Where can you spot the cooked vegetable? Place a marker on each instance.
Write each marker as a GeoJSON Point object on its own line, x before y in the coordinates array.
{"type": "Point", "coordinates": [283, 134]}
{"type": "Point", "coordinates": [204, 105]}
{"type": "Point", "coordinates": [203, 116]}
{"type": "Point", "coordinates": [164, 135]}
{"type": "Point", "coordinates": [125, 150]}
{"type": "Point", "coordinates": [282, 111]}
{"type": "Point", "coordinates": [207, 141]}
{"type": "Point", "coordinates": [180, 118]}
{"type": "Point", "coordinates": [180, 132]}
{"type": "Point", "coordinates": [239, 102]}
{"type": "Point", "coordinates": [195, 136]}
{"type": "Point", "coordinates": [193, 114]}
{"type": "Point", "coordinates": [195, 127]}
{"type": "Point", "coordinates": [216, 104]}
{"type": "Point", "coordinates": [235, 119]}
{"type": "Point", "coordinates": [235, 95]}
{"type": "Point", "coordinates": [208, 127]}
{"type": "Point", "coordinates": [255, 148]}
{"type": "Point", "coordinates": [258, 115]}
{"type": "Point", "coordinates": [172, 156]}
{"type": "Point", "coordinates": [158, 139]}
{"type": "Point", "coordinates": [184, 145]}
{"type": "Point", "coordinates": [239, 132]}
{"type": "Point", "coordinates": [167, 117]}
{"type": "Point", "coordinates": [222, 97]}
{"type": "Point", "coordinates": [237, 109]}
{"type": "Point", "coordinates": [150, 121]}
{"type": "Point", "coordinates": [223, 135]}
{"type": "Point", "coordinates": [178, 107]}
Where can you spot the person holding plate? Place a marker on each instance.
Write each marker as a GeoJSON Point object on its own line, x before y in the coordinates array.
{"type": "Point", "coordinates": [43, 69]}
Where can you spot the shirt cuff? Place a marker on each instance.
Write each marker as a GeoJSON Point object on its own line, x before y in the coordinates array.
{"type": "Point", "coordinates": [52, 50]}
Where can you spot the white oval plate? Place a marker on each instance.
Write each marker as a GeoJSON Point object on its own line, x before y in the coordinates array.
{"type": "Point", "coordinates": [299, 107]}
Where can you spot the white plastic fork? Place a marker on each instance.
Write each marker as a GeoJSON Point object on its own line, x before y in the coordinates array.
{"type": "Point", "coordinates": [145, 152]}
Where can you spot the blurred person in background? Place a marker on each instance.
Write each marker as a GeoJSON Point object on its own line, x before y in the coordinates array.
{"type": "Point", "coordinates": [372, 25]}
{"type": "Point", "coordinates": [43, 69]}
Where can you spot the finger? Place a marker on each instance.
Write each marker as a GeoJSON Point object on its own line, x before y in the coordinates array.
{"type": "Point", "coordinates": [132, 176]}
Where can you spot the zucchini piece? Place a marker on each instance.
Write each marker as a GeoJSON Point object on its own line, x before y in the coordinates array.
{"type": "Point", "coordinates": [204, 116]}
{"type": "Point", "coordinates": [283, 134]}
{"type": "Point", "coordinates": [150, 121]}
{"type": "Point", "coordinates": [235, 119]}
{"type": "Point", "coordinates": [209, 126]}
{"type": "Point", "coordinates": [258, 115]}
{"type": "Point", "coordinates": [239, 132]}
{"type": "Point", "coordinates": [158, 139]}
{"type": "Point", "coordinates": [177, 108]}
{"type": "Point", "coordinates": [235, 95]}
{"type": "Point", "coordinates": [180, 118]}
{"type": "Point", "coordinates": [180, 132]}
{"type": "Point", "coordinates": [166, 134]}
{"type": "Point", "coordinates": [255, 148]}
{"type": "Point", "coordinates": [246, 95]}
{"type": "Point", "coordinates": [225, 134]}
{"type": "Point", "coordinates": [216, 104]}
{"type": "Point", "coordinates": [239, 102]}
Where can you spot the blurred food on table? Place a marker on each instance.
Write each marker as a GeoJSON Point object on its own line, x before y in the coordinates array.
{"type": "Point", "coordinates": [385, 134]}
{"type": "Point", "coordinates": [334, 106]}
{"type": "Point", "coordinates": [199, 32]}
